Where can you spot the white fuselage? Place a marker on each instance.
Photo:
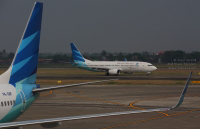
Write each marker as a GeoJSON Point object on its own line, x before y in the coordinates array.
{"type": "Point", "coordinates": [7, 99]}
{"type": "Point", "coordinates": [15, 100]}
{"type": "Point", "coordinates": [122, 66]}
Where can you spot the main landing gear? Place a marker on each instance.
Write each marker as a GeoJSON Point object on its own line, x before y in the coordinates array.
{"type": "Point", "coordinates": [148, 73]}
{"type": "Point", "coordinates": [107, 74]}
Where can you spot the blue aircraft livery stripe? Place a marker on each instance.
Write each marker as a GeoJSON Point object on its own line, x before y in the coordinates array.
{"type": "Point", "coordinates": [29, 79]}
{"type": "Point", "coordinates": [73, 47]}
{"type": "Point", "coordinates": [20, 65]}
{"type": "Point", "coordinates": [77, 53]}
{"type": "Point", "coordinates": [26, 71]}
{"type": "Point", "coordinates": [31, 48]}
{"type": "Point", "coordinates": [35, 20]}
{"type": "Point", "coordinates": [26, 41]}
{"type": "Point", "coordinates": [25, 63]}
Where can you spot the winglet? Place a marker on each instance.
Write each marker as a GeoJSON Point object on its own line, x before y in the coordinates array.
{"type": "Point", "coordinates": [183, 92]}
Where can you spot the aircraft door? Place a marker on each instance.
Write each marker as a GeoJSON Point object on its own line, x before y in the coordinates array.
{"type": "Point", "coordinates": [137, 66]}
{"type": "Point", "coordinates": [23, 100]}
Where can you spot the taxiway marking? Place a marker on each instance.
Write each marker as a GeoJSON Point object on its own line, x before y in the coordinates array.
{"type": "Point", "coordinates": [131, 105]}
{"type": "Point", "coordinates": [150, 119]}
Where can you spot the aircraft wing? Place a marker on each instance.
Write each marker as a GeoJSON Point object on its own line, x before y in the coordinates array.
{"type": "Point", "coordinates": [53, 122]}
{"type": "Point", "coordinates": [70, 85]}
{"type": "Point", "coordinates": [57, 121]}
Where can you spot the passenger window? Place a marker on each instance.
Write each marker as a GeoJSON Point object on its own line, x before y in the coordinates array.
{"type": "Point", "coordinates": [2, 104]}
{"type": "Point", "coordinates": [8, 103]}
{"type": "Point", "coordinates": [5, 103]}
{"type": "Point", "coordinates": [14, 102]}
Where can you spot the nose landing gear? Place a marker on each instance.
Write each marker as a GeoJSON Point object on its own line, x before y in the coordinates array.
{"type": "Point", "coordinates": [107, 74]}
{"type": "Point", "coordinates": [148, 73]}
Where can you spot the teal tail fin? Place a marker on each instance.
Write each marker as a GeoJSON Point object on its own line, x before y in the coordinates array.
{"type": "Point", "coordinates": [76, 54]}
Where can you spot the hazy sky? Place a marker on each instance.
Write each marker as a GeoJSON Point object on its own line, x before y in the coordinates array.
{"type": "Point", "coordinates": [111, 25]}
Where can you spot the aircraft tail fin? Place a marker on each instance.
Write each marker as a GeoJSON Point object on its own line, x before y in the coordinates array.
{"type": "Point", "coordinates": [76, 53]}
{"type": "Point", "coordinates": [24, 65]}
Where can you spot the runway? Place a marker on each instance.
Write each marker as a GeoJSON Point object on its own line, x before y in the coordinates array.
{"type": "Point", "coordinates": [93, 99]}
{"type": "Point", "coordinates": [102, 77]}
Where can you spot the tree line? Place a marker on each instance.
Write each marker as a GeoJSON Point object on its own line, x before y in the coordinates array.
{"type": "Point", "coordinates": [164, 57]}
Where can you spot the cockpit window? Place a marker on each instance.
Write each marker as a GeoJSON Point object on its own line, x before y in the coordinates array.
{"type": "Point", "coordinates": [150, 65]}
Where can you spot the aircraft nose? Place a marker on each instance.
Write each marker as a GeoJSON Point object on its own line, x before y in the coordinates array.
{"type": "Point", "coordinates": [154, 68]}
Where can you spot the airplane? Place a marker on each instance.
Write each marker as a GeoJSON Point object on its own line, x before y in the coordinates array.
{"type": "Point", "coordinates": [110, 67]}
{"type": "Point", "coordinates": [18, 88]}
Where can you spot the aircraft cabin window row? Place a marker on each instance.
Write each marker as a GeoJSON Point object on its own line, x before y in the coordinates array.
{"type": "Point", "coordinates": [114, 65]}
{"type": "Point", "coordinates": [8, 103]}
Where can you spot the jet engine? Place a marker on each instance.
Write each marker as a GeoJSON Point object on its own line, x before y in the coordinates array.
{"type": "Point", "coordinates": [114, 72]}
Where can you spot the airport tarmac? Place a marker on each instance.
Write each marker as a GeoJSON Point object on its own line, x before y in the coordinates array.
{"type": "Point", "coordinates": [93, 99]}
{"type": "Point", "coordinates": [121, 77]}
